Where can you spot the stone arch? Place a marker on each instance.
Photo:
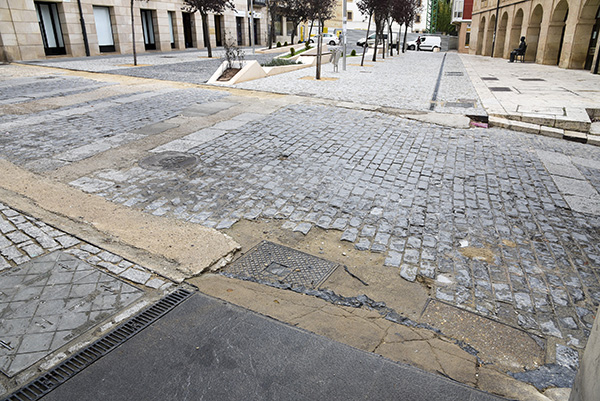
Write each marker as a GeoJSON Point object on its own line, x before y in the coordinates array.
{"type": "Point", "coordinates": [590, 12]}
{"type": "Point", "coordinates": [556, 33]}
{"type": "Point", "coordinates": [515, 30]}
{"type": "Point", "coordinates": [499, 50]}
{"type": "Point", "coordinates": [480, 36]}
{"type": "Point", "coordinates": [489, 37]}
{"type": "Point", "coordinates": [533, 32]}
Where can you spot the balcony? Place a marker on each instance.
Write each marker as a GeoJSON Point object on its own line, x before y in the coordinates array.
{"type": "Point", "coordinates": [260, 3]}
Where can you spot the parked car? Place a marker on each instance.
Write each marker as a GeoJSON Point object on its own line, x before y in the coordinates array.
{"type": "Point", "coordinates": [328, 38]}
{"type": "Point", "coordinates": [430, 43]}
{"type": "Point", "coordinates": [371, 40]}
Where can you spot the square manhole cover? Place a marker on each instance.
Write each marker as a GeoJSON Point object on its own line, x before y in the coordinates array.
{"type": "Point", "coordinates": [533, 79]}
{"type": "Point", "coordinates": [276, 264]}
{"type": "Point", "coordinates": [459, 104]}
{"type": "Point", "coordinates": [500, 89]}
{"type": "Point", "coordinates": [49, 301]}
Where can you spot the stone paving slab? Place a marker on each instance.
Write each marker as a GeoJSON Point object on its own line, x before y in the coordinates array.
{"type": "Point", "coordinates": [48, 301]}
{"type": "Point", "coordinates": [412, 191]}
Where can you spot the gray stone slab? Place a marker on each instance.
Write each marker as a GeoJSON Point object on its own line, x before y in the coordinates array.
{"type": "Point", "coordinates": [569, 186]}
{"type": "Point", "coordinates": [553, 157]}
{"type": "Point", "coordinates": [582, 204]}
{"type": "Point", "coordinates": [228, 351]}
{"type": "Point", "coordinates": [49, 301]}
{"type": "Point", "coordinates": [204, 135]}
{"type": "Point", "coordinates": [564, 170]}
{"type": "Point", "coordinates": [156, 128]}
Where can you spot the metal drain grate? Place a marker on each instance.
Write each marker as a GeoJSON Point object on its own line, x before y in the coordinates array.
{"type": "Point", "coordinates": [532, 79]}
{"type": "Point", "coordinates": [168, 161]}
{"type": "Point", "coordinates": [459, 104]}
{"type": "Point", "coordinates": [500, 89]}
{"type": "Point", "coordinates": [277, 265]}
{"type": "Point", "coordinates": [76, 363]}
{"type": "Point", "coordinates": [454, 74]}
{"type": "Point", "coordinates": [489, 78]}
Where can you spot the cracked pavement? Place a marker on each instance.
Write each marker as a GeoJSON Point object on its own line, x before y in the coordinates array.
{"type": "Point", "coordinates": [495, 222]}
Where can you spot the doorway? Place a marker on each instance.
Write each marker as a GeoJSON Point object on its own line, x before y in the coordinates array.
{"type": "Point", "coordinates": [104, 31]}
{"type": "Point", "coordinates": [50, 28]}
{"type": "Point", "coordinates": [188, 37]}
{"type": "Point", "coordinates": [148, 29]}
{"type": "Point", "coordinates": [218, 30]}
{"type": "Point", "coordinates": [239, 24]}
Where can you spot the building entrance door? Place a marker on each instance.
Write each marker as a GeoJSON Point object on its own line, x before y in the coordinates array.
{"type": "Point", "coordinates": [187, 30]}
{"type": "Point", "coordinates": [239, 23]}
{"type": "Point", "coordinates": [50, 28]}
{"type": "Point", "coordinates": [593, 42]}
{"type": "Point", "coordinates": [148, 29]}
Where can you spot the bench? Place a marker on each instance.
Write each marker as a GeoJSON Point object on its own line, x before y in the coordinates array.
{"type": "Point", "coordinates": [521, 55]}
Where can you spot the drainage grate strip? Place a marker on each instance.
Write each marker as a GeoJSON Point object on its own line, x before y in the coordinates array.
{"type": "Point", "coordinates": [76, 363]}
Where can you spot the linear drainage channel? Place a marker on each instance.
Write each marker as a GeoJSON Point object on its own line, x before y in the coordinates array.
{"type": "Point", "coordinates": [84, 358]}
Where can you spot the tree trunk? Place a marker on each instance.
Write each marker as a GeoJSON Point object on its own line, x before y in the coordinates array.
{"type": "Point", "coordinates": [319, 48]}
{"type": "Point", "coordinates": [390, 38]}
{"type": "Point", "coordinates": [376, 39]}
{"type": "Point", "coordinates": [366, 46]}
{"type": "Point", "coordinates": [133, 35]}
{"type": "Point", "coordinates": [398, 41]}
{"type": "Point", "coordinates": [404, 39]}
{"type": "Point", "coordinates": [270, 25]}
{"type": "Point", "coordinates": [206, 34]}
{"type": "Point", "coordinates": [293, 32]}
{"type": "Point", "coordinates": [310, 31]}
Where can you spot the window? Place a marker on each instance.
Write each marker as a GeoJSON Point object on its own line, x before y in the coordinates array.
{"type": "Point", "coordinates": [417, 18]}
{"type": "Point", "coordinates": [349, 15]}
{"type": "Point", "coordinates": [278, 27]}
{"type": "Point", "coordinates": [50, 28]}
{"type": "Point", "coordinates": [148, 29]}
{"type": "Point", "coordinates": [104, 29]}
{"type": "Point", "coordinates": [171, 28]}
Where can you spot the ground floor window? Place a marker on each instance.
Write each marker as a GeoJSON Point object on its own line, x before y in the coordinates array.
{"type": "Point", "coordinates": [148, 29]}
{"type": "Point", "coordinates": [172, 28]}
{"type": "Point", "coordinates": [50, 28]}
{"type": "Point", "coordinates": [104, 29]}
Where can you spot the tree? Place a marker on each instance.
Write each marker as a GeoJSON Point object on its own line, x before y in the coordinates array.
{"type": "Point", "coordinates": [403, 12]}
{"type": "Point", "coordinates": [321, 11]}
{"type": "Point", "coordinates": [133, 35]}
{"type": "Point", "coordinates": [295, 11]}
{"type": "Point", "coordinates": [274, 11]}
{"type": "Point", "coordinates": [444, 19]}
{"type": "Point", "coordinates": [379, 10]}
{"type": "Point", "coordinates": [204, 7]}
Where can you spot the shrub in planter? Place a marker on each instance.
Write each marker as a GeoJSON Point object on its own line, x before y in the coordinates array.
{"type": "Point", "coordinates": [292, 51]}
{"type": "Point", "coordinates": [278, 44]}
{"type": "Point", "coordinates": [285, 44]}
{"type": "Point", "coordinates": [353, 53]}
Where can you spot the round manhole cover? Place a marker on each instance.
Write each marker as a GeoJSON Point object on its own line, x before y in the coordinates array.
{"type": "Point", "coordinates": [168, 161]}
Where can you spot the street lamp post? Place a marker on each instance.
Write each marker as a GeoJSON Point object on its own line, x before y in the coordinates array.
{"type": "Point", "coordinates": [252, 24]}
{"type": "Point", "coordinates": [344, 30]}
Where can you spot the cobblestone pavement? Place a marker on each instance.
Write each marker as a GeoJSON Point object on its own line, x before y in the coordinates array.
{"type": "Point", "coordinates": [485, 222]}
{"type": "Point", "coordinates": [191, 66]}
{"type": "Point", "coordinates": [405, 81]}
{"type": "Point", "coordinates": [108, 122]}
{"type": "Point", "coordinates": [23, 238]}
{"type": "Point", "coordinates": [494, 220]}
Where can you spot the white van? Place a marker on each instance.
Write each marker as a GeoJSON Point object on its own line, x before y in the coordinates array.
{"type": "Point", "coordinates": [430, 43]}
{"type": "Point", "coordinates": [371, 40]}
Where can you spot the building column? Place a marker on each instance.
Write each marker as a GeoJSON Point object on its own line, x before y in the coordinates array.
{"type": "Point", "coordinates": [578, 44]}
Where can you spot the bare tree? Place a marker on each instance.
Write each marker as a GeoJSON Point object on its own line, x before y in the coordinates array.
{"type": "Point", "coordinates": [274, 11]}
{"type": "Point", "coordinates": [321, 11]}
{"type": "Point", "coordinates": [295, 11]}
{"type": "Point", "coordinates": [204, 7]}
{"type": "Point", "coordinates": [404, 12]}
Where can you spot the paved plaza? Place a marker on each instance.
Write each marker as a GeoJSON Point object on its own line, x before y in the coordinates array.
{"type": "Point", "coordinates": [501, 223]}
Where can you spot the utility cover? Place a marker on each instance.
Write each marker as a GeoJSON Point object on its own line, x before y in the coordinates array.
{"type": "Point", "coordinates": [48, 301]}
{"type": "Point", "coordinates": [275, 264]}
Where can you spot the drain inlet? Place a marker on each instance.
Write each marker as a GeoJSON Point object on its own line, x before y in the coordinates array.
{"type": "Point", "coordinates": [90, 354]}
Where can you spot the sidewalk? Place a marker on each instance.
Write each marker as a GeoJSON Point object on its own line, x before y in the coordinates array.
{"type": "Point", "coordinates": [423, 219]}
{"type": "Point", "coordinates": [538, 99]}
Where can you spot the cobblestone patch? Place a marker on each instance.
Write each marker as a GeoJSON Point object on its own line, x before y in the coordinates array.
{"type": "Point", "coordinates": [395, 82]}
{"type": "Point", "coordinates": [50, 139]}
{"type": "Point", "coordinates": [190, 66]}
{"type": "Point", "coordinates": [23, 238]}
{"type": "Point", "coordinates": [474, 211]}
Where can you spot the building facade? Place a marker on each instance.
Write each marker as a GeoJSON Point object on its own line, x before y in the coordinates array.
{"type": "Point", "coordinates": [557, 32]}
{"type": "Point", "coordinates": [32, 29]}
{"type": "Point", "coordinates": [462, 11]}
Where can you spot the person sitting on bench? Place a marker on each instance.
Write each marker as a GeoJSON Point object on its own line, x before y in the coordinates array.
{"type": "Point", "coordinates": [520, 51]}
